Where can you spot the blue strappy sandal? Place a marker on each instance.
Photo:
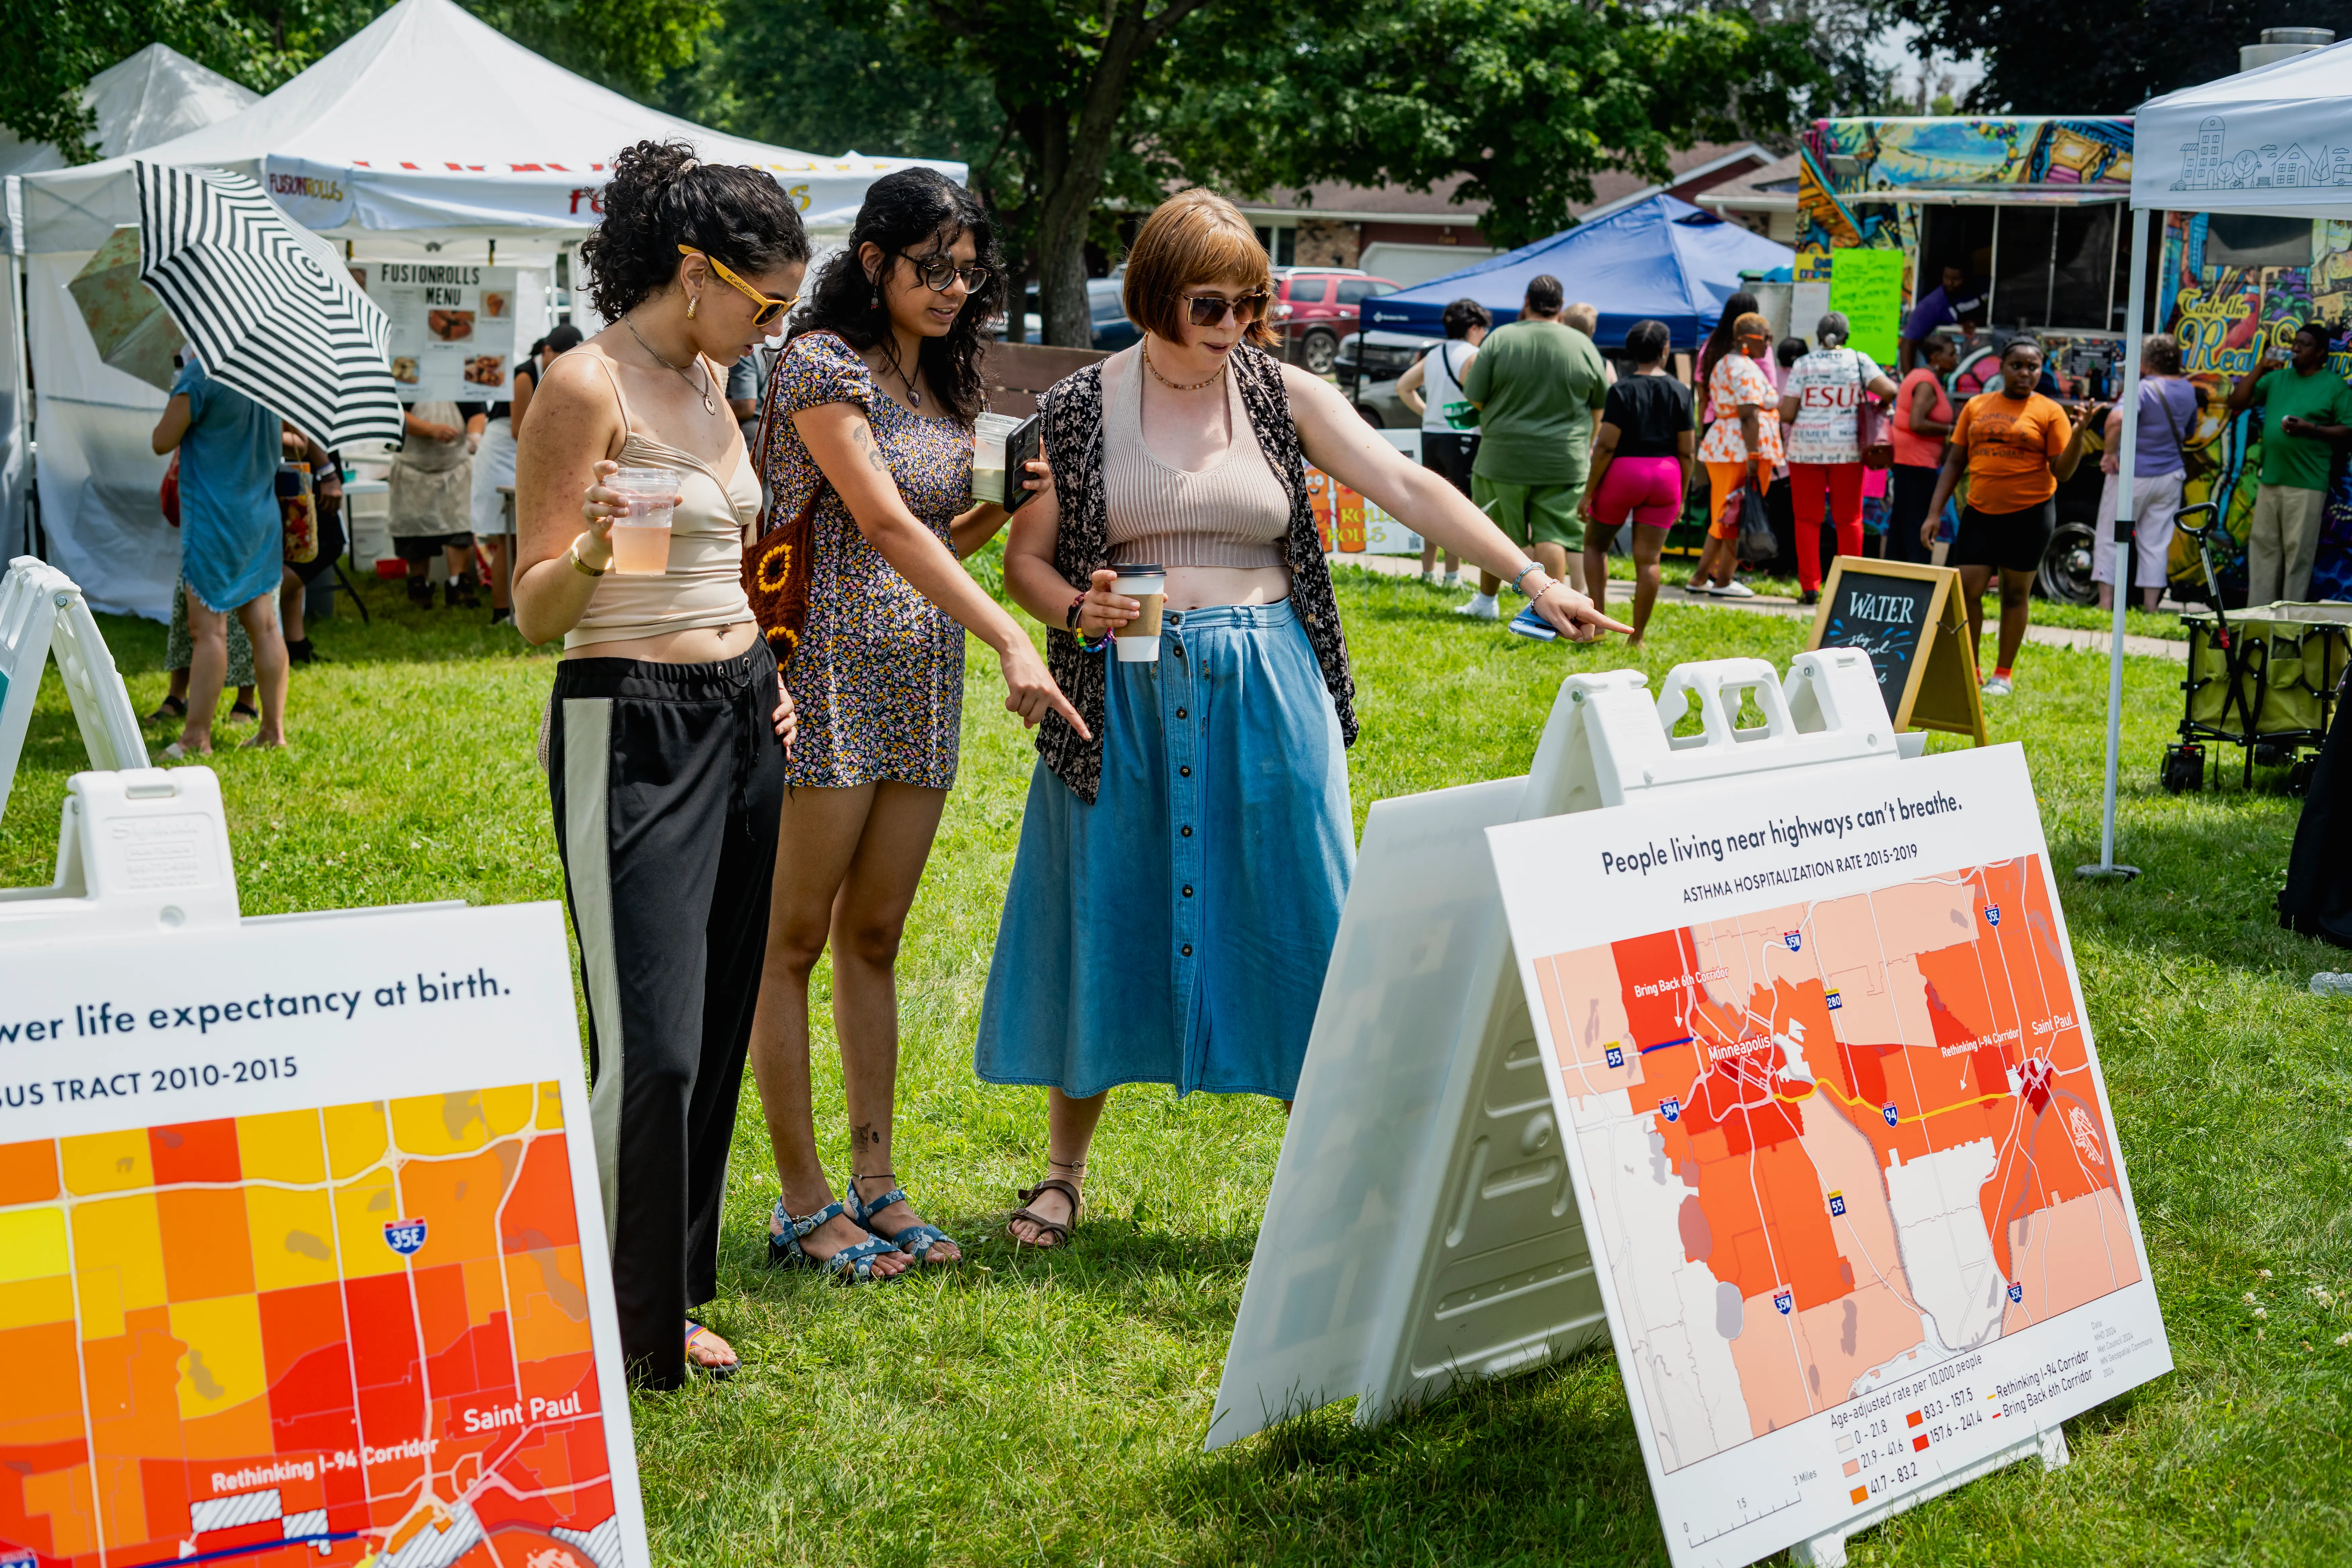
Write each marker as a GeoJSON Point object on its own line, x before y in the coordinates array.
{"type": "Point", "coordinates": [915, 1240]}
{"type": "Point", "coordinates": [853, 1264]}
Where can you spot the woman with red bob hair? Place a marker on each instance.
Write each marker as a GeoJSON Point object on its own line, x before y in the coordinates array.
{"type": "Point", "coordinates": [1185, 855]}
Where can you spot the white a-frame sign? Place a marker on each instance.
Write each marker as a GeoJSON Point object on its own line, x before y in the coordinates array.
{"type": "Point", "coordinates": [42, 612]}
{"type": "Point", "coordinates": [1720, 1047]}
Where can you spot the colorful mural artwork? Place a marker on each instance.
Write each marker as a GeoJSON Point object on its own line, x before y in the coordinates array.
{"type": "Point", "coordinates": [1844, 159]}
{"type": "Point", "coordinates": [2227, 319]}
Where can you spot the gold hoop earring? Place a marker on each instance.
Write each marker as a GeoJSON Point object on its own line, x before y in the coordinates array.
{"type": "Point", "coordinates": [691, 301]}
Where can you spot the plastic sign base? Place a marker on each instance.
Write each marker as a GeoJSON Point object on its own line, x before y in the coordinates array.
{"type": "Point", "coordinates": [42, 612]}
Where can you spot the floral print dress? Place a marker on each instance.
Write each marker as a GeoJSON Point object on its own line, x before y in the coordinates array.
{"type": "Point", "coordinates": [879, 674]}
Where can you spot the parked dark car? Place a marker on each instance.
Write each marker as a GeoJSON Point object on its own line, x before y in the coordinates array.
{"type": "Point", "coordinates": [1111, 328]}
{"type": "Point", "coordinates": [1367, 366]}
{"type": "Point", "coordinates": [1314, 306]}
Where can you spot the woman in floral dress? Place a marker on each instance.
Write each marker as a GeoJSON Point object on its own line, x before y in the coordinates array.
{"type": "Point", "coordinates": [874, 404]}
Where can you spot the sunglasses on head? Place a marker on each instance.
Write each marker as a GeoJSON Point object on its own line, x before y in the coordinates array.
{"type": "Point", "coordinates": [1209, 309]}
{"type": "Point", "coordinates": [767, 307]}
{"type": "Point", "coordinates": [939, 273]}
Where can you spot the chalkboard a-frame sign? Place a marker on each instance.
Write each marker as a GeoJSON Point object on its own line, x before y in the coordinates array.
{"type": "Point", "coordinates": [1913, 624]}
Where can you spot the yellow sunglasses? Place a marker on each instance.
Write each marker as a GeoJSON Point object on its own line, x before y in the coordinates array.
{"type": "Point", "coordinates": [769, 308]}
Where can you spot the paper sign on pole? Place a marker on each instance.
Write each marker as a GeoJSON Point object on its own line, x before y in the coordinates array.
{"type": "Point", "coordinates": [300, 1222]}
{"type": "Point", "coordinates": [1866, 285]}
{"type": "Point", "coordinates": [1355, 524]}
{"type": "Point", "coordinates": [454, 334]}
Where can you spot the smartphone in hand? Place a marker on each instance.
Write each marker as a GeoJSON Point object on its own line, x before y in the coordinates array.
{"type": "Point", "coordinates": [1023, 447]}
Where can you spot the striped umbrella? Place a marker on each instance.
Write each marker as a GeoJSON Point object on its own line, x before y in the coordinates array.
{"type": "Point", "coordinates": [267, 305]}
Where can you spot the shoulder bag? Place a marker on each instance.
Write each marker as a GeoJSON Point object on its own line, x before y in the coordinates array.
{"type": "Point", "coordinates": [1752, 525]}
{"type": "Point", "coordinates": [1870, 432]}
{"type": "Point", "coordinates": [2194, 465]}
{"type": "Point", "coordinates": [776, 560]}
{"type": "Point", "coordinates": [1460, 414]}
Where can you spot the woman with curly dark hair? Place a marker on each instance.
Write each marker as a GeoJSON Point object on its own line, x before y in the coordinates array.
{"type": "Point", "coordinates": [872, 406]}
{"type": "Point", "coordinates": [661, 736]}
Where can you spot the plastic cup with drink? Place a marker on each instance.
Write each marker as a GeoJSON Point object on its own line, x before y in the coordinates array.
{"type": "Point", "coordinates": [988, 438]}
{"type": "Point", "coordinates": [1139, 641]}
{"type": "Point", "coordinates": [640, 534]}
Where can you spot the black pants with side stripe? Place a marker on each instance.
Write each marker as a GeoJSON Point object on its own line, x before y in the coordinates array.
{"type": "Point", "coordinates": [667, 782]}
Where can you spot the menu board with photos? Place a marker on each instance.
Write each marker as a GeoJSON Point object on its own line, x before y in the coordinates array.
{"type": "Point", "coordinates": [454, 327]}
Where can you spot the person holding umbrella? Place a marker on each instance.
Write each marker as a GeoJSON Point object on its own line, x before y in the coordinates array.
{"type": "Point", "coordinates": [231, 546]}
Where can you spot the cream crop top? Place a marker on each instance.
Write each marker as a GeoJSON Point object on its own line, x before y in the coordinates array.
{"type": "Point", "coordinates": [1234, 513]}
{"type": "Point", "coordinates": [704, 583]}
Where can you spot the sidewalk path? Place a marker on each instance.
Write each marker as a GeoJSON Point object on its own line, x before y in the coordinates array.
{"type": "Point", "coordinates": [1775, 604]}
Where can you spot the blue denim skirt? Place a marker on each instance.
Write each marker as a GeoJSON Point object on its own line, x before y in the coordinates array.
{"type": "Point", "coordinates": [1177, 931]}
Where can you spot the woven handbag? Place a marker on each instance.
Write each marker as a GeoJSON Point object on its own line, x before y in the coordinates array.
{"type": "Point", "coordinates": [776, 560]}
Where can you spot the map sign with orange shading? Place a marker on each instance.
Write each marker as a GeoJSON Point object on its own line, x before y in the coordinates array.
{"type": "Point", "coordinates": [362, 1332]}
{"type": "Point", "coordinates": [1845, 1152]}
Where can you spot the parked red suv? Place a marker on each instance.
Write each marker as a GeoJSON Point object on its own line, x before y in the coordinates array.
{"type": "Point", "coordinates": [1314, 306]}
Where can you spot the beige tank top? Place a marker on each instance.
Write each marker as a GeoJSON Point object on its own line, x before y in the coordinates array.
{"type": "Point", "coordinates": [1234, 513]}
{"type": "Point", "coordinates": [704, 583]}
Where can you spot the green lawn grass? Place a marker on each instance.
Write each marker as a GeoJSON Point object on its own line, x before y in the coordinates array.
{"type": "Point", "coordinates": [1050, 1409]}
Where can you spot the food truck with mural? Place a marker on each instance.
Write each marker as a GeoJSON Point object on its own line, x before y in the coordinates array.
{"type": "Point", "coordinates": [2031, 209]}
{"type": "Point", "coordinates": [2034, 209]}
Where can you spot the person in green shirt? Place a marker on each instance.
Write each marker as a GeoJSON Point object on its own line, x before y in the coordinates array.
{"type": "Point", "coordinates": [2307, 420]}
{"type": "Point", "coordinates": [1538, 383]}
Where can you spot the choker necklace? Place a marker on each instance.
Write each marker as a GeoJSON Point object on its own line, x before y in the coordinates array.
{"type": "Point", "coordinates": [1180, 385]}
{"type": "Point", "coordinates": [702, 392]}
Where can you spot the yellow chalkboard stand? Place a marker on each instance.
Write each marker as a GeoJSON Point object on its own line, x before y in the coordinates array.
{"type": "Point", "coordinates": [1936, 679]}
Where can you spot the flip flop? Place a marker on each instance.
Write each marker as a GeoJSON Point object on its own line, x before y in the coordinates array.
{"type": "Point", "coordinates": [720, 1372]}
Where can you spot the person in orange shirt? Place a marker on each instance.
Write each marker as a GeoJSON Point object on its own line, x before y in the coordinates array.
{"type": "Point", "coordinates": [2017, 447]}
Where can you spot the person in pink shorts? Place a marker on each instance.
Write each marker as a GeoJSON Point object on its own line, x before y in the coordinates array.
{"type": "Point", "coordinates": [1641, 468]}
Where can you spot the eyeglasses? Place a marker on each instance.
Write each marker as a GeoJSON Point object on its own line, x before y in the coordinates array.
{"type": "Point", "coordinates": [769, 308]}
{"type": "Point", "coordinates": [1208, 310]}
{"type": "Point", "coordinates": [939, 273]}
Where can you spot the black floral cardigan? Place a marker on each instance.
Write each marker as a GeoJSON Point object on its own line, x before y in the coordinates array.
{"type": "Point", "coordinates": [1073, 412]}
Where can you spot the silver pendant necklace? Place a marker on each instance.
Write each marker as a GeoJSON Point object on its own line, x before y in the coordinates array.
{"type": "Point", "coordinates": [703, 391]}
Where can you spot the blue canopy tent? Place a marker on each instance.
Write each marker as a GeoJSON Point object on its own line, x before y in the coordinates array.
{"type": "Point", "coordinates": [1661, 259]}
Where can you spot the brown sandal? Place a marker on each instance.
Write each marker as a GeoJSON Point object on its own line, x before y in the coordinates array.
{"type": "Point", "coordinates": [1057, 1229]}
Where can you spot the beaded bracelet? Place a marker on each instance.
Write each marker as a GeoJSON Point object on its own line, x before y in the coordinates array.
{"type": "Point", "coordinates": [1530, 566]}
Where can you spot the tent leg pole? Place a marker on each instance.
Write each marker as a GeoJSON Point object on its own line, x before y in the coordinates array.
{"type": "Point", "coordinates": [2125, 557]}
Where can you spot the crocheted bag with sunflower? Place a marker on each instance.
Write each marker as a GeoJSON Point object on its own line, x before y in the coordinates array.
{"type": "Point", "coordinates": [776, 561]}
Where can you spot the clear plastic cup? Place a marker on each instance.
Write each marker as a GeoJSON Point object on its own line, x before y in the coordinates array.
{"type": "Point", "coordinates": [640, 536]}
{"type": "Point", "coordinates": [988, 436]}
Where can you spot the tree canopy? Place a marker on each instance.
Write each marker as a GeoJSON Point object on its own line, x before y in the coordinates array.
{"type": "Point", "coordinates": [631, 45]}
{"type": "Point", "coordinates": [1529, 99]}
{"type": "Point", "coordinates": [2102, 59]}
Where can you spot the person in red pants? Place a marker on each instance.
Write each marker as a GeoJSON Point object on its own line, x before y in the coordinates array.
{"type": "Point", "coordinates": [1821, 409]}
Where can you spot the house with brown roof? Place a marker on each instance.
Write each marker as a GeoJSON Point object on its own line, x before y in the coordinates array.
{"type": "Point", "coordinates": [1764, 200]}
{"type": "Point", "coordinates": [1411, 236]}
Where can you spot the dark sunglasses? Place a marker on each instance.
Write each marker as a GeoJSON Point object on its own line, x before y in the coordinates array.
{"type": "Point", "coordinates": [939, 273]}
{"type": "Point", "coordinates": [1208, 310]}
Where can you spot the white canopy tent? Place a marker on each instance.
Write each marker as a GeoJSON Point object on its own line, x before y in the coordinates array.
{"type": "Point", "coordinates": [148, 98]}
{"type": "Point", "coordinates": [2276, 140]}
{"type": "Point", "coordinates": [428, 134]}
{"type": "Point", "coordinates": [155, 94]}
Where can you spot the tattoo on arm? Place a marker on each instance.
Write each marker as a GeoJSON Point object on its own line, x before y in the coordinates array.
{"type": "Point", "coordinates": [874, 460]}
